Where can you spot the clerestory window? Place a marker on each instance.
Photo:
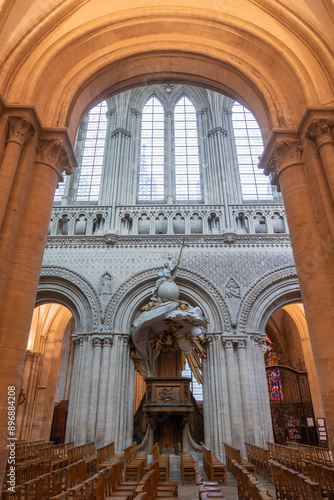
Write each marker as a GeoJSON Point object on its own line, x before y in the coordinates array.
{"type": "Point", "coordinates": [169, 167]}
{"type": "Point", "coordinates": [249, 145]}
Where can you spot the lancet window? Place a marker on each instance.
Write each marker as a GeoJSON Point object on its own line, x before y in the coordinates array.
{"type": "Point", "coordinates": [161, 174]}
{"type": "Point", "coordinates": [249, 146]}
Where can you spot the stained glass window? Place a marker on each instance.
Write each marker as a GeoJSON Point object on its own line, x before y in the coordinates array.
{"type": "Point", "coordinates": [151, 171]}
{"type": "Point", "coordinates": [249, 145]}
{"type": "Point", "coordinates": [93, 153]}
{"type": "Point", "coordinates": [275, 384]}
{"type": "Point", "coordinates": [187, 172]}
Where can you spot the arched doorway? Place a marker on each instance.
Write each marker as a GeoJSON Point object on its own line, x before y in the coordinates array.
{"type": "Point", "coordinates": [292, 387]}
{"type": "Point", "coordinates": [47, 375]}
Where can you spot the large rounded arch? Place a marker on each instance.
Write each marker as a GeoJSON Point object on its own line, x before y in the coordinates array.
{"type": "Point", "coordinates": [193, 288]}
{"type": "Point", "coordinates": [220, 49]}
{"type": "Point", "coordinates": [268, 294]}
{"type": "Point", "coordinates": [73, 291]}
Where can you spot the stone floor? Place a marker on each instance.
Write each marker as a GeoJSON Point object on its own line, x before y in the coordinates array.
{"type": "Point", "coordinates": [189, 491]}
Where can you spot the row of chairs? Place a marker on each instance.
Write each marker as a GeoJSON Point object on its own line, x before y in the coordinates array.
{"type": "Point", "coordinates": [152, 485]}
{"type": "Point", "coordinates": [248, 486]}
{"type": "Point", "coordinates": [134, 462]}
{"type": "Point", "coordinates": [207, 490]}
{"type": "Point", "coordinates": [163, 460]}
{"type": "Point", "coordinates": [106, 456]}
{"type": "Point", "coordinates": [260, 458]}
{"type": "Point", "coordinates": [27, 471]}
{"type": "Point", "coordinates": [84, 452]}
{"type": "Point", "coordinates": [50, 484]}
{"type": "Point", "coordinates": [187, 465]}
{"type": "Point", "coordinates": [323, 475]}
{"type": "Point", "coordinates": [293, 485]}
{"type": "Point", "coordinates": [290, 457]}
{"type": "Point", "coordinates": [106, 484]}
{"type": "Point", "coordinates": [232, 453]}
{"type": "Point", "coordinates": [25, 453]}
{"type": "Point", "coordinates": [314, 453]}
{"type": "Point", "coordinates": [213, 467]}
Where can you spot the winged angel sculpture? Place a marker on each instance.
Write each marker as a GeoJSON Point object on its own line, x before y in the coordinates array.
{"type": "Point", "coordinates": [167, 321]}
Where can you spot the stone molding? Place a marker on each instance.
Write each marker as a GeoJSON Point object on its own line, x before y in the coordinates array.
{"type": "Point", "coordinates": [273, 277]}
{"type": "Point", "coordinates": [20, 130]}
{"type": "Point", "coordinates": [320, 131]}
{"type": "Point", "coordinates": [66, 280]}
{"type": "Point", "coordinates": [227, 240]}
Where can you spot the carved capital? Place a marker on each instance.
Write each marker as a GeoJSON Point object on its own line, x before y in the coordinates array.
{"type": "Point", "coordinates": [242, 344]}
{"type": "Point", "coordinates": [321, 132]}
{"type": "Point", "coordinates": [217, 132]}
{"type": "Point", "coordinates": [229, 343]}
{"type": "Point", "coordinates": [97, 342]}
{"type": "Point", "coordinates": [120, 132]}
{"type": "Point", "coordinates": [108, 341]}
{"type": "Point", "coordinates": [286, 154]}
{"type": "Point", "coordinates": [78, 341]}
{"type": "Point", "coordinates": [51, 152]}
{"type": "Point", "coordinates": [20, 129]}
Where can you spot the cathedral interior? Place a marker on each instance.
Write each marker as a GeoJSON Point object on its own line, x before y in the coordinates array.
{"type": "Point", "coordinates": [166, 222]}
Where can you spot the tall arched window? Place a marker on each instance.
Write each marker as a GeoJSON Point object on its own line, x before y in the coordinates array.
{"type": "Point", "coordinates": [187, 172]}
{"type": "Point", "coordinates": [156, 159]}
{"type": "Point", "coordinates": [151, 171]}
{"type": "Point", "coordinates": [249, 146]}
{"type": "Point", "coordinates": [93, 153]}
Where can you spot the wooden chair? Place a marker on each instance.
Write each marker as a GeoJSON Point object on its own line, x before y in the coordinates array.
{"type": "Point", "coordinates": [134, 465]}
{"type": "Point", "coordinates": [212, 466]}
{"type": "Point", "coordinates": [187, 465]}
{"type": "Point", "coordinates": [164, 462]}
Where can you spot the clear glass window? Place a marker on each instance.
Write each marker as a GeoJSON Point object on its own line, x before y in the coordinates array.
{"type": "Point", "coordinates": [151, 171]}
{"type": "Point", "coordinates": [187, 170]}
{"type": "Point", "coordinates": [249, 146]}
{"type": "Point", "coordinates": [93, 153]}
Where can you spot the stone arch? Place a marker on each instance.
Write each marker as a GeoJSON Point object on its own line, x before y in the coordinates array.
{"type": "Point", "coordinates": [270, 292]}
{"type": "Point", "coordinates": [66, 287]}
{"type": "Point", "coordinates": [194, 288]}
{"type": "Point", "coordinates": [124, 49]}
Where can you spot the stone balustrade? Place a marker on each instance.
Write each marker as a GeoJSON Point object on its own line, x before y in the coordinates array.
{"type": "Point", "coordinates": [168, 219]}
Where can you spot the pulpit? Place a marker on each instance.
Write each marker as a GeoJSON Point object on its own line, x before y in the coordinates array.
{"type": "Point", "coordinates": [168, 406]}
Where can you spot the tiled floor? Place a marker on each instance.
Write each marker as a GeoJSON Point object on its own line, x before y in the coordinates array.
{"type": "Point", "coordinates": [189, 491]}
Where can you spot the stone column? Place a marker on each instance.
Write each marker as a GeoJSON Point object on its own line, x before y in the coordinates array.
{"type": "Point", "coordinates": [237, 428]}
{"type": "Point", "coordinates": [73, 402]}
{"type": "Point", "coordinates": [245, 391]}
{"type": "Point", "coordinates": [314, 262]}
{"type": "Point", "coordinates": [84, 391]}
{"type": "Point", "coordinates": [321, 131]}
{"type": "Point", "coordinates": [20, 130]}
{"type": "Point", "coordinates": [103, 392]}
{"type": "Point", "coordinates": [94, 388]}
{"type": "Point", "coordinates": [23, 271]}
